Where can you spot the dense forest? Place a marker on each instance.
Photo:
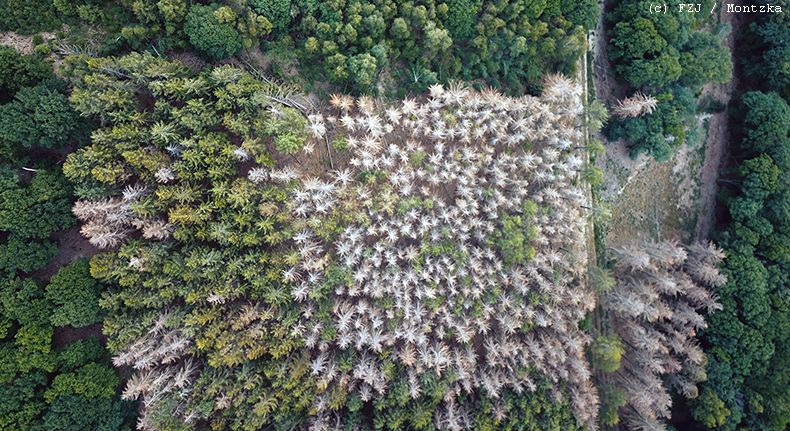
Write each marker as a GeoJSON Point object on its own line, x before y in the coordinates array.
{"type": "Point", "coordinates": [667, 57]}
{"type": "Point", "coordinates": [372, 270]}
{"type": "Point", "coordinates": [46, 376]}
{"type": "Point", "coordinates": [380, 214]}
{"type": "Point", "coordinates": [360, 46]}
{"type": "Point", "coordinates": [749, 357]}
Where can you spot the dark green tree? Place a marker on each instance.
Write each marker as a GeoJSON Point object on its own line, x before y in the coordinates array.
{"type": "Point", "coordinates": [278, 12]}
{"type": "Point", "coordinates": [17, 71]}
{"type": "Point", "coordinates": [581, 12]}
{"type": "Point", "coordinates": [461, 17]}
{"type": "Point", "coordinates": [641, 55]}
{"type": "Point", "coordinates": [363, 68]}
{"type": "Point", "coordinates": [37, 209]}
{"type": "Point", "coordinates": [212, 38]}
{"type": "Point", "coordinates": [39, 116]}
{"type": "Point", "coordinates": [22, 254]}
{"type": "Point", "coordinates": [705, 60]}
{"type": "Point", "coordinates": [91, 381]}
{"type": "Point", "coordinates": [768, 53]}
{"type": "Point", "coordinates": [78, 413]}
{"type": "Point", "coordinates": [28, 16]}
{"type": "Point", "coordinates": [766, 122]}
{"type": "Point", "coordinates": [81, 352]}
{"type": "Point", "coordinates": [75, 295]}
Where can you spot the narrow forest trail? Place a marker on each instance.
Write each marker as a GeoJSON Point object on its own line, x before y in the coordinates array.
{"type": "Point", "coordinates": [71, 247]}
{"type": "Point", "coordinates": [602, 83]}
{"type": "Point", "coordinates": [719, 134]}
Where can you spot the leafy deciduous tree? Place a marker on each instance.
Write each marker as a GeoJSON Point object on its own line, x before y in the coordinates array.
{"type": "Point", "coordinates": [213, 38]}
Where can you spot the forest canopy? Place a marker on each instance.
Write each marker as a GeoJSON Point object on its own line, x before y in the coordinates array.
{"type": "Point", "coordinates": [324, 327]}
{"type": "Point", "coordinates": [389, 215]}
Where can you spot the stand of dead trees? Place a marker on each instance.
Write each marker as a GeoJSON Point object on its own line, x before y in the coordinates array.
{"type": "Point", "coordinates": [655, 307]}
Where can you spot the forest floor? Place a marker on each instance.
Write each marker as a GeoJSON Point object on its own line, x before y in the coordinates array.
{"type": "Point", "coordinates": [71, 246]}
{"type": "Point", "coordinates": [718, 140]}
{"type": "Point", "coordinates": [21, 42]}
{"type": "Point", "coordinates": [671, 200]}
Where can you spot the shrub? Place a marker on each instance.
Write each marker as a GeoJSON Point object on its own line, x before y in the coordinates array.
{"type": "Point", "coordinates": [288, 143]}
{"type": "Point", "coordinates": [212, 38]}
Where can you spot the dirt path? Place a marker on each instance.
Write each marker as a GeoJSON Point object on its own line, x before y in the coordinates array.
{"type": "Point", "coordinates": [718, 138]}
{"type": "Point", "coordinates": [71, 246]}
{"type": "Point", "coordinates": [607, 89]}
{"type": "Point", "coordinates": [258, 59]}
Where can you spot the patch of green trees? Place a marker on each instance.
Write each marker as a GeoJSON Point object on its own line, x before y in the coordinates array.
{"type": "Point", "coordinates": [361, 45]}
{"type": "Point", "coordinates": [367, 45]}
{"type": "Point", "coordinates": [749, 368]}
{"type": "Point", "coordinates": [46, 381]}
{"type": "Point", "coordinates": [654, 50]}
{"type": "Point", "coordinates": [33, 204]}
{"type": "Point", "coordinates": [766, 60]}
{"type": "Point", "coordinates": [219, 32]}
{"type": "Point", "coordinates": [50, 387]}
{"type": "Point", "coordinates": [18, 71]}
{"type": "Point", "coordinates": [660, 133]}
{"type": "Point", "coordinates": [209, 34]}
{"type": "Point", "coordinates": [669, 56]}
{"type": "Point", "coordinates": [39, 116]}
{"type": "Point", "coordinates": [28, 16]}
{"type": "Point", "coordinates": [748, 371]}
